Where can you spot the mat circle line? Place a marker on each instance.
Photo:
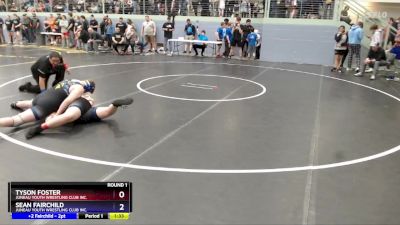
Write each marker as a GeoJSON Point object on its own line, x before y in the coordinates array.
{"type": "Point", "coordinates": [209, 171]}
{"type": "Point", "coordinates": [263, 88]}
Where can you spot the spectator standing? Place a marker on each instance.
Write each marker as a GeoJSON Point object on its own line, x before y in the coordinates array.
{"type": "Point", "coordinates": [221, 8]}
{"type": "Point", "coordinates": [340, 48]}
{"type": "Point", "coordinates": [344, 15]}
{"type": "Point", "coordinates": [292, 7]}
{"type": "Point", "coordinates": [58, 28]}
{"type": "Point", "coordinates": [71, 28]}
{"type": "Point", "coordinates": [10, 29]}
{"type": "Point", "coordinates": [220, 36]}
{"type": "Point", "coordinates": [93, 23]}
{"type": "Point", "coordinates": [149, 33]}
{"type": "Point", "coordinates": [397, 38]}
{"type": "Point", "coordinates": [376, 58]}
{"type": "Point", "coordinates": [117, 6]}
{"type": "Point", "coordinates": [346, 52]}
{"type": "Point", "coordinates": [118, 40]}
{"type": "Point", "coordinates": [356, 34]}
{"type": "Point", "coordinates": [17, 25]}
{"type": "Point", "coordinates": [246, 31]}
{"type": "Point", "coordinates": [130, 36]}
{"type": "Point", "coordinates": [244, 8]}
{"type": "Point", "coordinates": [168, 28]}
{"type": "Point", "coordinates": [201, 37]}
{"type": "Point", "coordinates": [190, 33]}
{"type": "Point", "coordinates": [392, 31]}
{"type": "Point", "coordinates": [252, 42]}
{"type": "Point", "coordinates": [64, 30]}
{"type": "Point", "coordinates": [237, 40]}
{"type": "Point", "coordinates": [53, 28]}
{"type": "Point", "coordinates": [83, 39]}
{"type": "Point", "coordinates": [85, 23]}
{"type": "Point", "coordinates": [94, 41]}
{"type": "Point", "coordinates": [103, 25]}
{"type": "Point", "coordinates": [183, 7]}
{"type": "Point", "coordinates": [228, 39]}
{"type": "Point", "coordinates": [121, 25]}
{"type": "Point", "coordinates": [2, 39]}
{"type": "Point", "coordinates": [377, 36]}
{"type": "Point", "coordinates": [41, 7]}
{"type": "Point", "coordinates": [110, 30]}
{"type": "Point", "coordinates": [398, 23]}
{"type": "Point", "coordinates": [26, 27]}
{"type": "Point", "coordinates": [46, 24]}
{"type": "Point", "coordinates": [2, 6]}
{"type": "Point", "coordinates": [195, 4]}
{"type": "Point", "coordinates": [77, 23]}
{"type": "Point", "coordinates": [328, 7]}
{"type": "Point", "coordinates": [205, 7]}
{"type": "Point", "coordinates": [35, 27]}
{"type": "Point", "coordinates": [13, 8]}
{"type": "Point", "coordinates": [258, 45]}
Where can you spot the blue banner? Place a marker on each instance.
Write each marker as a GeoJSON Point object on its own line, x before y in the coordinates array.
{"type": "Point", "coordinates": [44, 216]}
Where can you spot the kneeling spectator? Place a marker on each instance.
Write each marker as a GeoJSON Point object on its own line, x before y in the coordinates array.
{"type": "Point", "coordinates": [376, 58]}
{"type": "Point", "coordinates": [201, 37]}
{"type": "Point", "coordinates": [94, 40]}
{"type": "Point", "coordinates": [118, 40]}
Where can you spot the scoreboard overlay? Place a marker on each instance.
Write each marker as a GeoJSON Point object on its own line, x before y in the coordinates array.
{"type": "Point", "coordinates": [69, 200]}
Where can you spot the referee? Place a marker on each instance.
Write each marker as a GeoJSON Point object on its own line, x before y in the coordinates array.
{"type": "Point", "coordinates": [42, 70]}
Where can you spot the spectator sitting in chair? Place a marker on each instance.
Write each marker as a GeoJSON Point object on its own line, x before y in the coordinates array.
{"type": "Point", "coordinates": [118, 39]}
{"type": "Point", "coordinates": [201, 37]}
{"type": "Point", "coordinates": [376, 58]}
{"type": "Point", "coordinates": [393, 58]}
{"type": "Point", "coordinates": [94, 40]}
{"type": "Point", "coordinates": [396, 49]}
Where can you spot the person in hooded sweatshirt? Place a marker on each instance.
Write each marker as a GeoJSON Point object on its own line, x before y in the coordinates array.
{"type": "Point", "coordinates": [377, 36]}
{"type": "Point", "coordinates": [355, 35]}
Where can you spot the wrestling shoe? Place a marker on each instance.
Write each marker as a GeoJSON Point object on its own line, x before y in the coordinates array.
{"type": "Point", "coordinates": [14, 106]}
{"type": "Point", "coordinates": [24, 87]}
{"type": "Point", "coordinates": [32, 132]}
{"type": "Point", "coordinates": [122, 102]}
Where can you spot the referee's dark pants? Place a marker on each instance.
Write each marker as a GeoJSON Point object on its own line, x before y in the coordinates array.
{"type": "Point", "coordinates": [59, 72]}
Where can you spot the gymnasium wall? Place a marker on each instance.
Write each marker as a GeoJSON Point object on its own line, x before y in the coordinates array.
{"type": "Point", "coordinates": [283, 40]}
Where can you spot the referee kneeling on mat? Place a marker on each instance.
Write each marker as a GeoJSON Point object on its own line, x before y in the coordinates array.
{"type": "Point", "coordinates": [42, 70]}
